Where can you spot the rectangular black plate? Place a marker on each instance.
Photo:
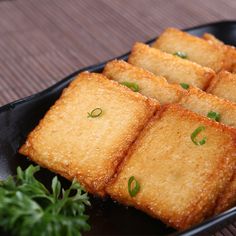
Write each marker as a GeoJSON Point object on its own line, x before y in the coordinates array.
{"type": "Point", "coordinates": [18, 118]}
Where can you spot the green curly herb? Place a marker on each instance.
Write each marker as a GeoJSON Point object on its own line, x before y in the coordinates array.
{"type": "Point", "coordinates": [28, 208]}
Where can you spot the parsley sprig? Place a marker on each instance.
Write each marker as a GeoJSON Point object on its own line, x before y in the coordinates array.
{"type": "Point", "coordinates": [28, 208]}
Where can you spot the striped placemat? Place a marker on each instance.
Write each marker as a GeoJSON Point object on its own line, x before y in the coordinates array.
{"type": "Point", "coordinates": [43, 41]}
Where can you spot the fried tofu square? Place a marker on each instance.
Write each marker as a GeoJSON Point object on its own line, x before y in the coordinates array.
{"type": "Point", "coordinates": [179, 180]}
{"type": "Point", "coordinates": [150, 85]}
{"type": "Point", "coordinates": [212, 39]}
{"type": "Point", "coordinates": [227, 199]}
{"type": "Point", "coordinates": [224, 85]}
{"type": "Point", "coordinates": [204, 103]}
{"type": "Point", "coordinates": [174, 69]}
{"type": "Point", "coordinates": [196, 49]}
{"type": "Point", "coordinates": [89, 130]}
{"type": "Point", "coordinates": [230, 51]}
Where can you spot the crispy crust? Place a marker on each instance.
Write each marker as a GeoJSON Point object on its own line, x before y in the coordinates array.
{"type": "Point", "coordinates": [224, 85]}
{"type": "Point", "coordinates": [228, 197]}
{"type": "Point", "coordinates": [196, 208]}
{"type": "Point", "coordinates": [213, 83]}
{"type": "Point", "coordinates": [173, 68]}
{"type": "Point", "coordinates": [67, 142]}
{"type": "Point", "coordinates": [234, 69]}
{"type": "Point", "coordinates": [197, 49]}
{"type": "Point", "coordinates": [150, 85]}
{"type": "Point", "coordinates": [230, 51]}
{"type": "Point", "coordinates": [212, 39]}
{"type": "Point", "coordinates": [201, 102]}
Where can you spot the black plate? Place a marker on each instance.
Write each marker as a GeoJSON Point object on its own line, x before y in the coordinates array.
{"type": "Point", "coordinates": [17, 119]}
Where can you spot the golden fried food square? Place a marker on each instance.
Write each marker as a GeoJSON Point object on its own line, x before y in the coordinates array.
{"type": "Point", "coordinates": [223, 111]}
{"type": "Point", "coordinates": [148, 84]}
{"type": "Point", "coordinates": [174, 69]}
{"type": "Point", "coordinates": [206, 104]}
{"type": "Point", "coordinates": [196, 49]}
{"type": "Point", "coordinates": [179, 179]}
{"type": "Point", "coordinates": [89, 130]}
{"type": "Point", "coordinates": [212, 39]}
{"type": "Point", "coordinates": [224, 85]}
{"type": "Point", "coordinates": [227, 199]}
{"type": "Point", "coordinates": [230, 57]}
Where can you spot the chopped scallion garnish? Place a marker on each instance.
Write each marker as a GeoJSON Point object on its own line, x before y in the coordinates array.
{"type": "Point", "coordinates": [184, 86]}
{"type": "Point", "coordinates": [133, 186]}
{"type": "Point", "coordinates": [181, 54]}
{"type": "Point", "coordinates": [132, 86]}
{"type": "Point", "coordinates": [95, 112]}
{"type": "Point", "coordinates": [214, 115]}
{"type": "Point", "coordinates": [195, 133]}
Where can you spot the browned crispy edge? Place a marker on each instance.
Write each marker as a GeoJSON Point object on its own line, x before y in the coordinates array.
{"type": "Point", "coordinates": [230, 50]}
{"type": "Point", "coordinates": [190, 220]}
{"type": "Point", "coordinates": [213, 83]}
{"type": "Point", "coordinates": [227, 198]}
{"type": "Point", "coordinates": [151, 103]}
{"type": "Point", "coordinates": [216, 80]}
{"type": "Point", "coordinates": [220, 100]}
{"type": "Point", "coordinates": [126, 66]}
{"type": "Point", "coordinates": [209, 74]}
{"type": "Point", "coordinates": [217, 44]}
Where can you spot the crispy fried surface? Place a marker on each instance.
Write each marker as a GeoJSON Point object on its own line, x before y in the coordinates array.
{"type": "Point", "coordinates": [212, 39]}
{"type": "Point", "coordinates": [198, 50]}
{"type": "Point", "coordinates": [70, 143]}
{"type": "Point", "coordinates": [224, 85]}
{"type": "Point", "coordinates": [202, 103]}
{"type": "Point", "coordinates": [150, 85]}
{"type": "Point", "coordinates": [227, 199]}
{"type": "Point", "coordinates": [230, 57]}
{"type": "Point", "coordinates": [179, 181]}
{"type": "Point", "coordinates": [173, 68]}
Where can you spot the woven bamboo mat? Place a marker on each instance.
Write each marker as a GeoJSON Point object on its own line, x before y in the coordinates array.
{"type": "Point", "coordinates": [42, 41]}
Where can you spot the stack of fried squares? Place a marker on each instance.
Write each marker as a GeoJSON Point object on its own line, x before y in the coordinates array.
{"type": "Point", "coordinates": [157, 132]}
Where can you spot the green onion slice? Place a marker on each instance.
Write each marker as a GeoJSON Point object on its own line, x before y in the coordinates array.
{"type": "Point", "coordinates": [95, 113]}
{"type": "Point", "coordinates": [184, 86]}
{"type": "Point", "coordinates": [181, 54]}
{"type": "Point", "coordinates": [132, 86]}
{"type": "Point", "coordinates": [133, 186]}
{"type": "Point", "coordinates": [214, 115]}
{"type": "Point", "coordinates": [195, 133]}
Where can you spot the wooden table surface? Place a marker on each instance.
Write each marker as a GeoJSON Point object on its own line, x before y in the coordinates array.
{"type": "Point", "coordinates": [42, 41]}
